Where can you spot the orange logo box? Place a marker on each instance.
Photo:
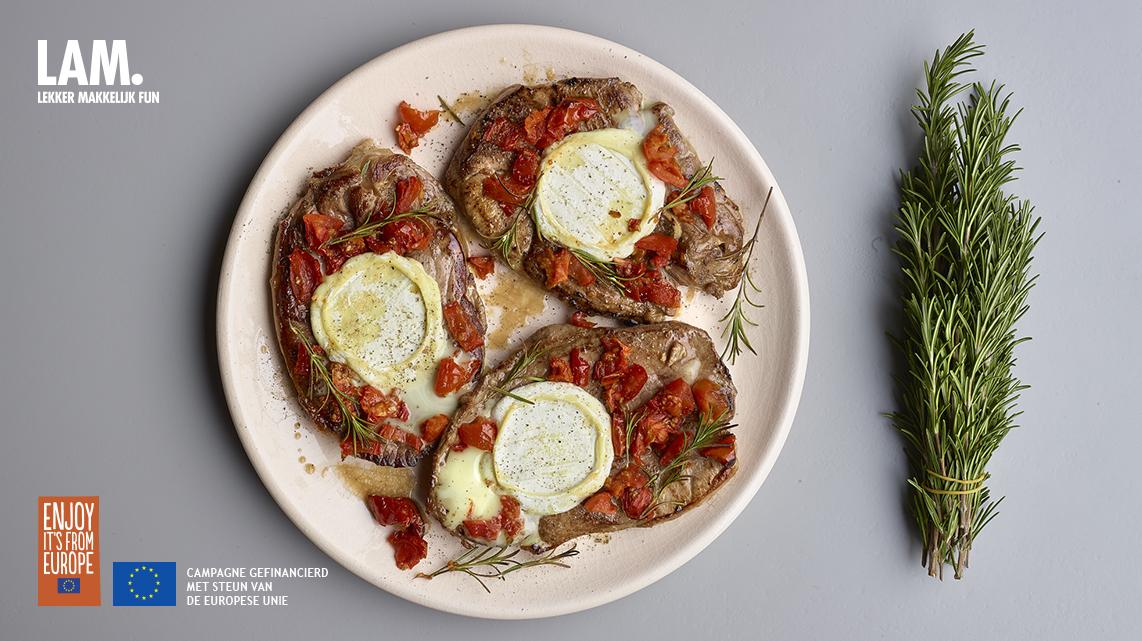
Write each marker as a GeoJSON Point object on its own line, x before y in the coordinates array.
{"type": "Point", "coordinates": [68, 559]}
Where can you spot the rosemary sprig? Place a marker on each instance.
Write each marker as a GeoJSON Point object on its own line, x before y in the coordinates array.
{"type": "Point", "coordinates": [448, 109]}
{"type": "Point", "coordinates": [701, 178]}
{"type": "Point", "coordinates": [965, 250]}
{"type": "Point", "coordinates": [708, 431]}
{"type": "Point", "coordinates": [738, 316]}
{"type": "Point", "coordinates": [522, 362]}
{"type": "Point", "coordinates": [628, 431]}
{"type": "Point", "coordinates": [370, 228]}
{"type": "Point", "coordinates": [496, 562]}
{"type": "Point", "coordinates": [354, 427]}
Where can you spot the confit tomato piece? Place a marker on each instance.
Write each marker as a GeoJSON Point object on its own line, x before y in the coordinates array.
{"type": "Point", "coordinates": [510, 519]}
{"type": "Point", "coordinates": [409, 546]}
{"type": "Point", "coordinates": [405, 235]}
{"type": "Point", "coordinates": [433, 427]}
{"type": "Point", "coordinates": [487, 529]}
{"type": "Point", "coordinates": [556, 264]}
{"type": "Point", "coordinates": [673, 447]}
{"type": "Point", "coordinates": [504, 191]}
{"type": "Point", "coordinates": [394, 510]}
{"type": "Point", "coordinates": [628, 477]}
{"type": "Point", "coordinates": [461, 327]}
{"type": "Point", "coordinates": [630, 384]}
{"type": "Point", "coordinates": [420, 122]}
{"type": "Point", "coordinates": [534, 124]}
{"type": "Point", "coordinates": [710, 398]}
{"type": "Point", "coordinates": [636, 501]}
{"type": "Point", "coordinates": [655, 428]}
{"type": "Point", "coordinates": [601, 503]}
{"type": "Point", "coordinates": [414, 123]}
{"type": "Point", "coordinates": [580, 368]}
{"type": "Point", "coordinates": [505, 134]}
{"type": "Point", "coordinates": [580, 274]}
{"type": "Point", "coordinates": [301, 362]}
{"type": "Point", "coordinates": [379, 406]}
{"type": "Point", "coordinates": [391, 432]}
{"type": "Point", "coordinates": [565, 118]}
{"type": "Point", "coordinates": [408, 192]}
{"type": "Point", "coordinates": [559, 370]}
{"type": "Point", "coordinates": [676, 398]}
{"type": "Point", "coordinates": [349, 447]}
{"type": "Point", "coordinates": [660, 246]}
{"type": "Point", "coordinates": [342, 378]}
{"type": "Point", "coordinates": [525, 167]}
{"type": "Point", "coordinates": [319, 228]}
{"type": "Point", "coordinates": [579, 319]}
{"type": "Point", "coordinates": [619, 432]}
{"type": "Point", "coordinates": [304, 275]}
{"type": "Point", "coordinates": [480, 433]}
{"type": "Point", "coordinates": [653, 289]}
{"type": "Point", "coordinates": [482, 266]}
{"type": "Point", "coordinates": [451, 376]}
{"type": "Point", "coordinates": [724, 452]}
{"type": "Point", "coordinates": [705, 207]}
{"type": "Point", "coordinates": [406, 138]}
{"type": "Point", "coordinates": [660, 158]}
{"type": "Point", "coordinates": [613, 361]}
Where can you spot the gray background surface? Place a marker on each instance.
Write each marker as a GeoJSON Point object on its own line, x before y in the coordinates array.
{"type": "Point", "coordinates": [114, 221]}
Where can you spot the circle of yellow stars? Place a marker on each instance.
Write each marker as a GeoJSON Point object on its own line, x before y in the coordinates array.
{"type": "Point", "coordinates": [69, 585]}
{"type": "Point", "coordinates": [131, 582]}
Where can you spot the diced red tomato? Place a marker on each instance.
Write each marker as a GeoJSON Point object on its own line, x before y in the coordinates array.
{"type": "Point", "coordinates": [391, 432]}
{"type": "Point", "coordinates": [676, 398]}
{"type": "Point", "coordinates": [601, 503]}
{"type": "Point", "coordinates": [451, 376]}
{"type": "Point", "coordinates": [304, 275]}
{"type": "Point", "coordinates": [406, 138]}
{"type": "Point", "coordinates": [505, 134]}
{"type": "Point", "coordinates": [358, 448]}
{"type": "Point", "coordinates": [579, 319]}
{"type": "Point", "coordinates": [674, 444]}
{"type": "Point", "coordinates": [619, 431]}
{"type": "Point", "coordinates": [580, 368]}
{"type": "Point", "coordinates": [634, 224]}
{"type": "Point", "coordinates": [525, 167]}
{"type": "Point", "coordinates": [507, 519]}
{"type": "Point", "coordinates": [705, 206]}
{"type": "Point", "coordinates": [461, 327]}
{"type": "Point", "coordinates": [559, 370]}
{"type": "Point", "coordinates": [565, 118]}
{"type": "Point", "coordinates": [482, 266]}
{"type": "Point", "coordinates": [414, 123]}
{"type": "Point", "coordinates": [319, 228]}
{"type": "Point", "coordinates": [301, 362]}
{"type": "Point", "coordinates": [420, 121]}
{"type": "Point", "coordinates": [498, 189]}
{"type": "Point", "coordinates": [710, 398]}
{"type": "Point", "coordinates": [636, 501]}
{"type": "Point", "coordinates": [724, 452]}
{"type": "Point", "coordinates": [660, 246]}
{"type": "Point", "coordinates": [613, 360]}
{"type": "Point", "coordinates": [655, 427]}
{"type": "Point", "coordinates": [409, 546]}
{"type": "Point", "coordinates": [433, 427]}
{"type": "Point", "coordinates": [394, 510]}
{"type": "Point", "coordinates": [556, 264]}
{"type": "Point", "coordinates": [405, 235]}
{"type": "Point", "coordinates": [579, 273]}
{"type": "Point", "coordinates": [628, 477]}
{"type": "Point", "coordinates": [408, 192]}
{"type": "Point", "coordinates": [534, 124]}
{"type": "Point", "coordinates": [630, 384]}
{"type": "Point", "coordinates": [652, 288]}
{"type": "Point", "coordinates": [660, 158]}
{"type": "Point", "coordinates": [343, 379]}
{"type": "Point", "coordinates": [351, 247]}
{"type": "Point", "coordinates": [480, 433]}
{"type": "Point", "coordinates": [379, 406]}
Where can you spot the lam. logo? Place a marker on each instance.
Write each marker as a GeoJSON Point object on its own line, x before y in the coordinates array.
{"type": "Point", "coordinates": [100, 65]}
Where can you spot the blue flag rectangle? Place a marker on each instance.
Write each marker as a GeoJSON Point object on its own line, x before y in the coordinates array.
{"type": "Point", "coordinates": [144, 583]}
{"type": "Point", "coordinates": [67, 585]}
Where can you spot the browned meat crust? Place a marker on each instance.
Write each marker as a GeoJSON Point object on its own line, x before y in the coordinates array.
{"type": "Point", "coordinates": [710, 259]}
{"type": "Point", "coordinates": [668, 351]}
{"type": "Point", "coordinates": [353, 191]}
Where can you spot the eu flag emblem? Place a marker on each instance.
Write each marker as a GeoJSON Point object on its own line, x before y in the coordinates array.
{"type": "Point", "coordinates": [67, 585]}
{"type": "Point", "coordinates": [144, 583]}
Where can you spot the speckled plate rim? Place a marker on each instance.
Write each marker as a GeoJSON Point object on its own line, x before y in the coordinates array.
{"type": "Point", "coordinates": [747, 482]}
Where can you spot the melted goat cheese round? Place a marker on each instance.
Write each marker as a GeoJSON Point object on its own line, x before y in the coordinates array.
{"type": "Point", "coordinates": [591, 185]}
{"type": "Point", "coordinates": [553, 452]}
{"type": "Point", "coordinates": [380, 314]}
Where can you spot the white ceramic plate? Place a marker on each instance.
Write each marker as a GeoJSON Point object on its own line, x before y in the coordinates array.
{"type": "Point", "coordinates": [293, 460]}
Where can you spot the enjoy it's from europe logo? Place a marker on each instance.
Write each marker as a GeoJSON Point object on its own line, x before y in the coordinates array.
{"type": "Point", "coordinates": [101, 65]}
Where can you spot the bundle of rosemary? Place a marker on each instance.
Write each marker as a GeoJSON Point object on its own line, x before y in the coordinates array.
{"type": "Point", "coordinates": [965, 249]}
